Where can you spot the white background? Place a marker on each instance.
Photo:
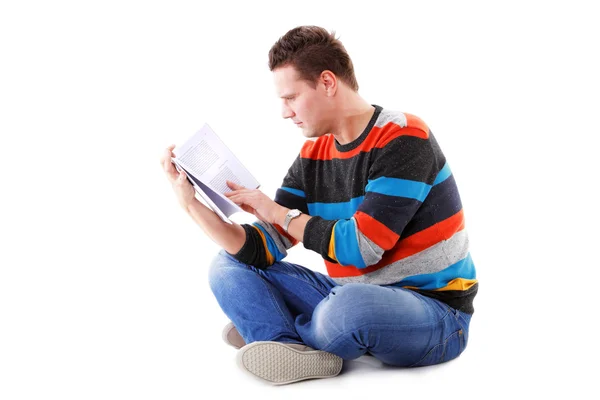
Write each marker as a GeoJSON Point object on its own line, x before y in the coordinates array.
{"type": "Point", "coordinates": [103, 279]}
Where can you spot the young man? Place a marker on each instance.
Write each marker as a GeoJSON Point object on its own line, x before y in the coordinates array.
{"type": "Point", "coordinates": [374, 196]}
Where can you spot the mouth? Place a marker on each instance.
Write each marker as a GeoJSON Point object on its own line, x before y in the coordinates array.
{"type": "Point", "coordinates": [298, 123]}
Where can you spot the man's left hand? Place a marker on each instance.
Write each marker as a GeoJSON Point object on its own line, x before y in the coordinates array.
{"type": "Point", "coordinates": [255, 202]}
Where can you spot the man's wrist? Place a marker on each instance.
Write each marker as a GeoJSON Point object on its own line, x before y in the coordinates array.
{"type": "Point", "coordinates": [281, 216]}
{"type": "Point", "coordinates": [187, 207]}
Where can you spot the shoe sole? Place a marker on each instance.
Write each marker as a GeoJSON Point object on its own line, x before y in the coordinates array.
{"type": "Point", "coordinates": [279, 364]}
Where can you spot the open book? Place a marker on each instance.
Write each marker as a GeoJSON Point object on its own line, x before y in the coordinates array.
{"type": "Point", "coordinates": [208, 163]}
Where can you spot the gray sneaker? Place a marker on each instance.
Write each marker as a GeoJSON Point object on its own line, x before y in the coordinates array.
{"type": "Point", "coordinates": [282, 363]}
{"type": "Point", "coordinates": [232, 337]}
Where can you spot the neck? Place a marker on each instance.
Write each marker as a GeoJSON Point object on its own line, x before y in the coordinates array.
{"type": "Point", "coordinates": [353, 116]}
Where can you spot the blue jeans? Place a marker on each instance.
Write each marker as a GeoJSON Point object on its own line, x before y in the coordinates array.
{"type": "Point", "coordinates": [289, 303]}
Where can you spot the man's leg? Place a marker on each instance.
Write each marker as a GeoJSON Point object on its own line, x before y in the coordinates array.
{"type": "Point", "coordinates": [397, 326]}
{"type": "Point", "coordinates": [263, 304]}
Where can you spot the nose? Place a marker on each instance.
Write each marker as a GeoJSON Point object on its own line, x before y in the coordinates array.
{"type": "Point", "coordinates": [286, 112]}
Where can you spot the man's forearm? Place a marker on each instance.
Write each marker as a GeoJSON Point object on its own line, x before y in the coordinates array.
{"type": "Point", "coordinates": [297, 225]}
{"type": "Point", "coordinates": [229, 237]}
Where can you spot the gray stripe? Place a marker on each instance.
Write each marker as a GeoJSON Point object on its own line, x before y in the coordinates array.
{"type": "Point", "coordinates": [434, 259]}
{"type": "Point", "coordinates": [370, 252]}
{"type": "Point", "coordinates": [391, 116]}
{"type": "Point", "coordinates": [281, 242]}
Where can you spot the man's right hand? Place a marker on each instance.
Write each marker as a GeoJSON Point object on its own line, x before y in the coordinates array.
{"type": "Point", "coordinates": [181, 186]}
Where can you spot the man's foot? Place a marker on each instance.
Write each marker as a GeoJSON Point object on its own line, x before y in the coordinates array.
{"type": "Point", "coordinates": [232, 337]}
{"type": "Point", "coordinates": [281, 363]}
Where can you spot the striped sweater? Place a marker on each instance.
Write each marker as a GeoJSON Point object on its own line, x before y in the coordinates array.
{"type": "Point", "coordinates": [385, 210]}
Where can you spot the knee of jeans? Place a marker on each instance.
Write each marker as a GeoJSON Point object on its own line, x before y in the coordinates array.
{"type": "Point", "coordinates": [330, 318]}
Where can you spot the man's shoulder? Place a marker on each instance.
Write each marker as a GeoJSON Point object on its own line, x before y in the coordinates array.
{"type": "Point", "coordinates": [395, 120]}
{"type": "Point", "coordinates": [394, 128]}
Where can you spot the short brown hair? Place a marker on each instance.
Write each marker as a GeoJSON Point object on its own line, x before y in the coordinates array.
{"type": "Point", "coordinates": [312, 50]}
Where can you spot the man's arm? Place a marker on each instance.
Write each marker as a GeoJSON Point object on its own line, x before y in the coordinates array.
{"type": "Point", "coordinates": [296, 226]}
{"type": "Point", "coordinates": [230, 237]}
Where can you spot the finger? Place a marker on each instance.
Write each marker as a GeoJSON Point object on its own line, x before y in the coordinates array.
{"type": "Point", "coordinates": [170, 151]}
{"type": "Point", "coordinates": [238, 192]}
{"type": "Point", "coordinates": [169, 169]}
{"type": "Point", "coordinates": [234, 185]}
{"type": "Point", "coordinates": [237, 199]}
{"type": "Point", "coordinates": [234, 192]}
{"type": "Point", "coordinates": [168, 154]}
{"type": "Point", "coordinates": [168, 166]}
{"type": "Point", "coordinates": [182, 176]}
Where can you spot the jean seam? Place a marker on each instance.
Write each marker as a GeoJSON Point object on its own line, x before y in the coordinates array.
{"type": "Point", "coordinates": [460, 334]}
{"type": "Point", "coordinates": [292, 329]}
{"type": "Point", "coordinates": [323, 292]}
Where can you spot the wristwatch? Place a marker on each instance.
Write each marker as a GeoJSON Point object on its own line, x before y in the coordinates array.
{"type": "Point", "coordinates": [289, 217]}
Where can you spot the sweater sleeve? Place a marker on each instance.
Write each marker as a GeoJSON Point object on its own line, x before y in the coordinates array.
{"type": "Point", "coordinates": [268, 243]}
{"type": "Point", "coordinates": [399, 180]}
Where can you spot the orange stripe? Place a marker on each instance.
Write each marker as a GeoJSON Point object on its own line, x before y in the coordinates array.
{"type": "Point", "coordinates": [454, 284]}
{"type": "Point", "coordinates": [331, 252]}
{"type": "Point", "coordinates": [324, 147]}
{"type": "Point", "coordinates": [285, 234]}
{"type": "Point", "coordinates": [413, 244]}
{"type": "Point", "coordinates": [383, 236]}
{"type": "Point", "coordinates": [270, 258]}
{"type": "Point", "coordinates": [412, 121]}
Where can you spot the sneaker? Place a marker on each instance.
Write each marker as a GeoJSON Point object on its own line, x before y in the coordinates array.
{"type": "Point", "coordinates": [232, 337]}
{"type": "Point", "coordinates": [281, 363]}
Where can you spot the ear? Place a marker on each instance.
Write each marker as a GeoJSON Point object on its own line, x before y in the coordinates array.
{"type": "Point", "coordinates": [329, 81]}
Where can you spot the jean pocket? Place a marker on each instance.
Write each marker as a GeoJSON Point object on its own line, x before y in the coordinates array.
{"type": "Point", "coordinates": [451, 348]}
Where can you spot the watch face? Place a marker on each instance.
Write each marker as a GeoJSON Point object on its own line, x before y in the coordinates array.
{"type": "Point", "coordinates": [294, 213]}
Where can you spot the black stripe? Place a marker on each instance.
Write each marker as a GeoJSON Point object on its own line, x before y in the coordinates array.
{"type": "Point", "coordinates": [294, 178]}
{"type": "Point", "coordinates": [392, 211]}
{"type": "Point", "coordinates": [291, 201]}
{"type": "Point", "coordinates": [253, 251]}
{"type": "Point", "coordinates": [442, 202]}
{"type": "Point", "coordinates": [408, 157]}
{"type": "Point", "coordinates": [336, 181]}
{"type": "Point", "coordinates": [461, 300]}
{"type": "Point", "coordinates": [340, 180]}
{"type": "Point", "coordinates": [317, 234]}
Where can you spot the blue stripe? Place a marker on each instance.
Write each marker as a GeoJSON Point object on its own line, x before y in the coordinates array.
{"type": "Point", "coordinates": [347, 251]}
{"type": "Point", "coordinates": [271, 246]}
{"type": "Point", "coordinates": [443, 174]}
{"type": "Point", "coordinates": [343, 210]}
{"type": "Point", "coordinates": [442, 202]}
{"type": "Point", "coordinates": [462, 269]}
{"type": "Point", "coordinates": [399, 187]}
{"type": "Point", "coordinates": [294, 191]}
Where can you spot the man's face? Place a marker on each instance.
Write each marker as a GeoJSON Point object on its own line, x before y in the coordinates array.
{"type": "Point", "coordinates": [306, 106]}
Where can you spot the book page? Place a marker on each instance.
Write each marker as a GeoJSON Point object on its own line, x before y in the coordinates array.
{"type": "Point", "coordinates": [210, 161]}
{"type": "Point", "coordinates": [208, 164]}
{"type": "Point", "coordinates": [222, 208]}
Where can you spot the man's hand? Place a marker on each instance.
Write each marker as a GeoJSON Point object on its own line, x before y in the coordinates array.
{"type": "Point", "coordinates": [256, 202]}
{"type": "Point", "coordinates": [181, 186]}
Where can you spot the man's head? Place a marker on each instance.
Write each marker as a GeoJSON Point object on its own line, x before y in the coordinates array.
{"type": "Point", "coordinates": [312, 71]}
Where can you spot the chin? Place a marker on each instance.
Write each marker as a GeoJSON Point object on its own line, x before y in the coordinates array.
{"type": "Point", "coordinates": [310, 133]}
